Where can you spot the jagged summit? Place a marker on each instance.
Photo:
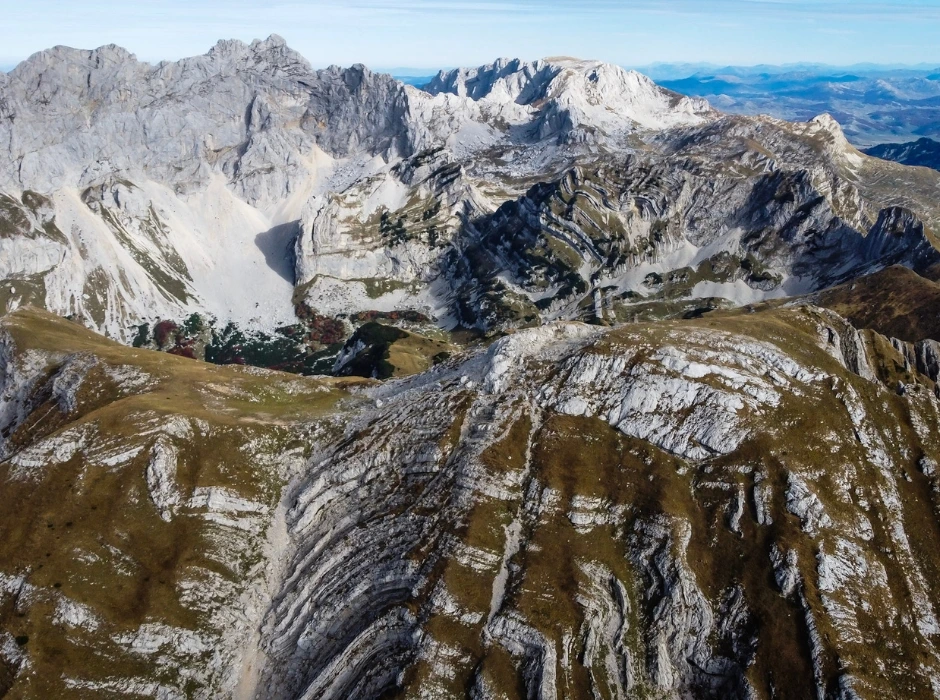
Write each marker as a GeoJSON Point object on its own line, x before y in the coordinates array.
{"type": "Point", "coordinates": [114, 53]}
{"type": "Point", "coordinates": [273, 41]}
{"type": "Point", "coordinates": [161, 185]}
{"type": "Point", "coordinates": [518, 80]}
{"type": "Point", "coordinates": [271, 54]}
{"type": "Point", "coordinates": [577, 87]}
{"type": "Point", "coordinates": [92, 58]}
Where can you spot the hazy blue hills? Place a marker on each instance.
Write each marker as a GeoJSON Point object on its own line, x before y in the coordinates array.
{"type": "Point", "coordinates": [416, 80]}
{"type": "Point", "coordinates": [925, 152]}
{"type": "Point", "coordinates": [873, 104]}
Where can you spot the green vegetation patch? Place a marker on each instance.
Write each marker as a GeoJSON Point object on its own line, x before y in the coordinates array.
{"type": "Point", "coordinates": [386, 351]}
{"type": "Point", "coordinates": [13, 219]}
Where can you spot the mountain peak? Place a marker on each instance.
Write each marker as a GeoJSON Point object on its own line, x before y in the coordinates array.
{"type": "Point", "coordinates": [101, 57]}
{"type": "Point", "coordinates": [272, 53]}
{"type": "Point", "coordinates": [273, 40]}
{"type": "Point", "coordinates": [828, 123]}
{"type": "Point", "coordinates": [226, 45]}
{"type": "Point", "coordinates": [570, 93]}
{"type": "Point", "coordinates": [509, 79]}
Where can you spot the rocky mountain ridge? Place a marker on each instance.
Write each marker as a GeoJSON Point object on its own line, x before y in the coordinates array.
{"type": "Point", "coordinates": [139, 193]}
{"type": "Point", "coordinates": [572, 511]}
{"type": "Point", "coordinates": [604, 452]}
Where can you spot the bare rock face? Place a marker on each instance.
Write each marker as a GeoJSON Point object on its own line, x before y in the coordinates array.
{"type": "Point", "coordinates": [928, 358]}
{"type": "Point", "coordinates": [183, 169]}
{"type": "Point", "coordinates": [514, 542]}
{"type": "Point", "coordinates": [353, 110]}
{"type": "Point", "coordinates": [253, 112]}
{"type": "Point", "coordinates": [499, 196]}
{"type": "Point", "coordinates": [351, 252]}
{"type": "Point", "coordinates": [899, 235]}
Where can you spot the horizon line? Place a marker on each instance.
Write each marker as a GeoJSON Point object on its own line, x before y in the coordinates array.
{"type": "Point", "coordinates": [416, 71]}
{"type": "Point", "coordinates": [8, 64]}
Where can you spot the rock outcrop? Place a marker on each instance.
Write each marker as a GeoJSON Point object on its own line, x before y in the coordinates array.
{"type": "Point", "coordinates": [481, 531]}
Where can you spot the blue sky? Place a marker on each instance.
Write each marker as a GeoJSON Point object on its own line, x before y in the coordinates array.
{"type": "Point", "coordinates": [444, 33]}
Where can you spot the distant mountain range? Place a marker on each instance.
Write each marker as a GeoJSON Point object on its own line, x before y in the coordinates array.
{"type": "Point", "coordinates": [677, 71]}
{"type": "Point", "coordinates": [925, 152]}
{"type": "Point", "coordinates": [873, 103]}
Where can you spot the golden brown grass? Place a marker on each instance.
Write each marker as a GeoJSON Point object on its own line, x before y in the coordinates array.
{"type": "Point", "coordinates": [90, 532]}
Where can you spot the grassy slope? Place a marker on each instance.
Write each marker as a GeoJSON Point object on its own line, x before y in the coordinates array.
{"type": "Point", "coordinates": [895, 302]}
{"type": "Point", "coordinates": [90, 532]}
{"type": "Point", "coordinates": [570, 456]}
{"type": "Point", "coordinates": [393, 352]}
{"type": "Point", "coordinates": [809, 433]}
